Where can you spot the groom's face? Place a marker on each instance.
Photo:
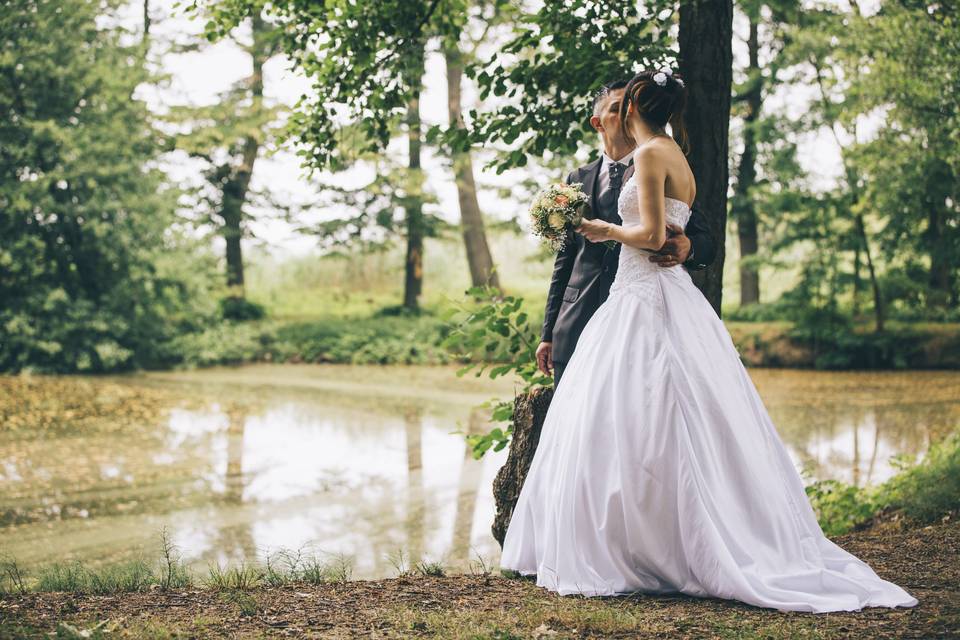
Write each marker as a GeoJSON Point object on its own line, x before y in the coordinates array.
{"type": "Point", "coordinates": [606, 120]}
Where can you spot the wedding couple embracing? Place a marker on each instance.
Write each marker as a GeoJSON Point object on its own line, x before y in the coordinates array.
{"type": "Point", "coordinates": [658, 468]}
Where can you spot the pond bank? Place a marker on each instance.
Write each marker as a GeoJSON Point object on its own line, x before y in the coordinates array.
{"type": "Point", "coordinates": [901, 346]}
{"type": "Point", "coordinates": [419, 340]}
{"type": "Point", "coordinates": [924, 560]}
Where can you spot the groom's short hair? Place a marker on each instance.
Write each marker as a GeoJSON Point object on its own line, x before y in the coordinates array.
{"type": "Point", "coordinates": [605, 90]}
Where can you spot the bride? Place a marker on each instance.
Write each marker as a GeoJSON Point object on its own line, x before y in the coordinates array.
{"type": "Point", "coordinates": [658, 468]}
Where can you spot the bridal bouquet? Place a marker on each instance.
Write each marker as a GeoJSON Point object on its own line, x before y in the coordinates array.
{"type": "Point", "coordinates": [557, 210]}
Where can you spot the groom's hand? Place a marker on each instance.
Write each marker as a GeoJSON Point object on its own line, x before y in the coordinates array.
{"type": "Point", "coordinates": [675, 250]}
{"type": "Point", "coordinates": [545, 358]}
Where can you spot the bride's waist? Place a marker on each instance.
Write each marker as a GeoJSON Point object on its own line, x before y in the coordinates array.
{"type": "Point", "coordinates": [635, 265]}
{"type": "Point", "coordinates": [639, 259]}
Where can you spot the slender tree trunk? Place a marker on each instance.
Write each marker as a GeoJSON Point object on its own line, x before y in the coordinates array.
{"type": "Point", "coordinates": [706, 62]}
{"type": "Point", "coordinates": [413, 273]}
{"type": "Point", "coordinates": [479, 259]}
{"type": "Point", "coordinates": [860, 226]}
{"type": "Point", "coordinates": [232, 235]}
{"type": "Point", "coordinates": [856, 281]}
{"type": "Point", "coordinates": [878, 309]}
{"type": "Point", "coordinates": [743, 208]}
{"type": "Point", "coordinates": [146, 20]}
{"type": "Point", "coordinates": [940, 264]}
{"type": "Point", "coordinates": [235, 189]}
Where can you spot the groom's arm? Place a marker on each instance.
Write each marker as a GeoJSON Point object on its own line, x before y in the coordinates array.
{"type": "Point", "coordinates": [562, 267]}
{"type": "Point", "coordinates": [702, 248]}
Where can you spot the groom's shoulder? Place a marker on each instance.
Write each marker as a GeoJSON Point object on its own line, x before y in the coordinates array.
{"type": "Point", "coordinates": [578, 174]}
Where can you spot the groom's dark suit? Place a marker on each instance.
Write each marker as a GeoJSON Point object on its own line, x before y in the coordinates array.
{"type": "Point", "coordinates": [584, 270]}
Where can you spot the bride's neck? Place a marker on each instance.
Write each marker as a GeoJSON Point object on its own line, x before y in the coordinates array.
{"type": "Point", "coordinates": [641, 131]}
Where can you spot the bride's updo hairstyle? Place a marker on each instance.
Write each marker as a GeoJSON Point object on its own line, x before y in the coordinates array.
{"type": "Point", "coordinates": [660, 98]}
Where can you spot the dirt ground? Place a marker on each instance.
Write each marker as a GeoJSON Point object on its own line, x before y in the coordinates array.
{"type": "Point", "coordinates": [925, 561]}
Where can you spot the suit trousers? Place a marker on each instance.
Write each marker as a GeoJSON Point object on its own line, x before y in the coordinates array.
{"type": "Point", "coordinates": [557, 372]}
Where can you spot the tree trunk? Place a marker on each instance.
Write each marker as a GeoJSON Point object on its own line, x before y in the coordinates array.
{"type": "Point", "coordinates": [235, 189]}
{"type": "Point", "coordinates": [529, 413]}
{"type": "Point", "coordinates": [413, 273]}
{"type": "Point", "coordinates": [480, 261]}
{"type": "Point", "coordinates": [940, 264]}
{"type": "Point", "coordinates": [706, 63]}
{"type": "Point", "coordinates": [743, 208]}
{"type": "Point", "coordinates": [232, 234]}
{"type": "Point", "coordinates": [146, 21]}
{"type": "Point", "coordinates": [878, 311]}
{"type": "Point", "coordinates": [856, 281]}
{"type": "Point", "coordinates": [860, 226]}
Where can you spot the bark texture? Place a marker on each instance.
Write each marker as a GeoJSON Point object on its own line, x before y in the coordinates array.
{"type": "Point", "coordinates": [479, 259]}
{"type": "Point", "coordinates": [413, 271]}
{"type": "Point", "coordinates": [743, 208]}
{"type": "Point", "coordinates": [529, 411]}
{"type": "Point", "coordinates": [706, 63]}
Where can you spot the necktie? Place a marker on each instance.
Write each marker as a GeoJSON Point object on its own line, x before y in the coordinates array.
{"type": "Point", "coordinates": [616, 176]}
{"type": "Point", "coordinates": [608, 199]}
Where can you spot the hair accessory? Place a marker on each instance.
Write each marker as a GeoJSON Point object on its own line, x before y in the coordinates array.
{"type": "Point", "coordinates": [667, 70]}
{"type": "Point", "coordinates": [660, 78]}
{"type": "Point", "coordinates": [680, 82]}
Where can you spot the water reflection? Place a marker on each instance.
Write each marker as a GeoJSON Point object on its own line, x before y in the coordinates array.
{"type": "Point", "coordinates": [359, 461]}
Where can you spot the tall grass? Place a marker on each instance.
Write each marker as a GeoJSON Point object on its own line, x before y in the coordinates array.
{"type": "Point", "coordinates": [169, 572]}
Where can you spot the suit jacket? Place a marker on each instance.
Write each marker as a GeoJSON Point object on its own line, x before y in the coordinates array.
{"type": "Point", "coordinates": [584, 270]}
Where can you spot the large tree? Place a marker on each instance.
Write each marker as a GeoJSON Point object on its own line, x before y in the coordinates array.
{"type": "Point", "coordinates": [706, 61]}
{"type": "Point", "coordinates": [911, 169]}
{"type": "Point", "coordinates": [228, 137]}
{"type": "Point", "coordinates": [765, 41]}
{"type": "Point", "coordinates": [86, 262]}
{"type": "Point", "coordinates": [479, 258]}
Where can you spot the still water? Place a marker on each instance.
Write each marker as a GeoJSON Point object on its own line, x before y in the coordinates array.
{"type": "Point", "coordinates": [357, 462]}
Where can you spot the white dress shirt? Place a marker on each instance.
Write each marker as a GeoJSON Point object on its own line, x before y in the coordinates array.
{"type": "Point", "coordinates": [605, 169]}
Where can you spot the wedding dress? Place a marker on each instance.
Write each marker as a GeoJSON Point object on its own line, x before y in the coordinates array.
{"type": "Point", "coordinates": [659, 470]}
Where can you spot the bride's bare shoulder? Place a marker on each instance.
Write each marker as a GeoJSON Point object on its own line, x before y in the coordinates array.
{"type": "Point", "coordinates": [653, 154]}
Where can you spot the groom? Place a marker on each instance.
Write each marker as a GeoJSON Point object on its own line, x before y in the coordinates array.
{"type": "Point", "coordinates": [584, 270]}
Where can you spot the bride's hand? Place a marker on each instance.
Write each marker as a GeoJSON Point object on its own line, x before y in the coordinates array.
{"type": "Point", "coordinates": [595, 230]}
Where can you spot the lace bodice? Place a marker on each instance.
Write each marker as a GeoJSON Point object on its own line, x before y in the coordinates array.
{"type": "Point", "coordinates": [634, 269]}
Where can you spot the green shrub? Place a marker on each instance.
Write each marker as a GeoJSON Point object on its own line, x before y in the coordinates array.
{"type": "Point", "coordinates": [930, 490]}
{"type": "Point", "coordinates": [224, 343]}
{"type": "Point", "coordinates": [924, 492]}
{"type": "Point", "coordinates": [241, 309]}
{"type": "Point", "coordinates": [377, 339]}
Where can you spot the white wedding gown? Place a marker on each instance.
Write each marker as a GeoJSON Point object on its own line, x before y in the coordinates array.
{"type": "Point", "coordinates": [658, 468]}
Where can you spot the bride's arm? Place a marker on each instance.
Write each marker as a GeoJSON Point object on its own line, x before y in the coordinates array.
{"type": "Point", "coordinates": [651, 232]}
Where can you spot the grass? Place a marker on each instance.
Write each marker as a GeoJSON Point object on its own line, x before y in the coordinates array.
{"type": "Point", "coordinates": [169, 573]}
{"type": "Point", "coordinates": [483, 605]}
{"type": "Point", "coordinates": [133, 575]}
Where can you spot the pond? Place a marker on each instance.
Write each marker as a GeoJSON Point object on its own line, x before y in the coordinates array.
{"type": "Point", "coordinates": [357, 463]}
